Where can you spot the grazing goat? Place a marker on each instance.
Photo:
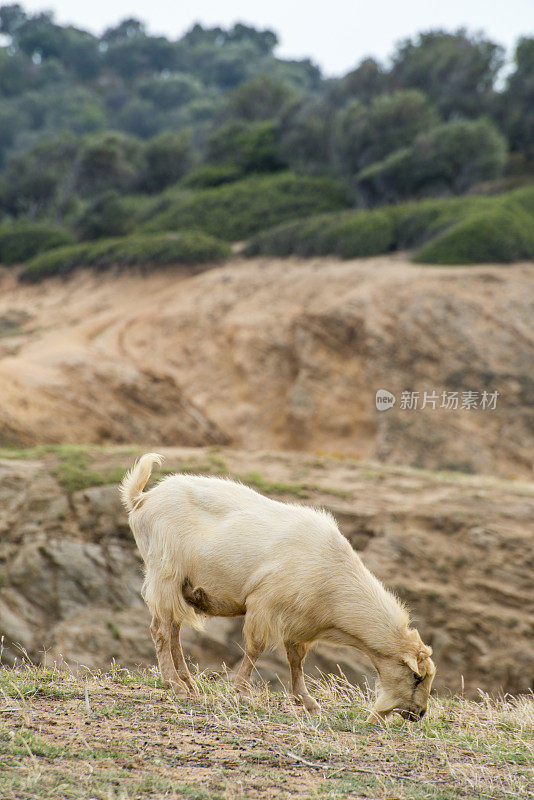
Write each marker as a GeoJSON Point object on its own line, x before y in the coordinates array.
{"type": "Point", "coordinates": [285, 567]}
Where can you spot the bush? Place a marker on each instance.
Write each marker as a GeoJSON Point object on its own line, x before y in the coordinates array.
{"type": "Point", "coordinates": [448, 159]}
{"type": "Point", "coordinates": [348, 235]}
{"type": "Point", "coordinates": [499, 235]}
{"type": "Point", "coordinates": [249, 146]}
{"type": "Point", "coordinates": [22, 240]}
{"type": "Point", "coordinates": [365, 134]}
{"type": "Point", "coordinates": [168, 157]}
{"type": "Point", "coordinates": [142, 251]}
{"type": "Point", "coordinates": [241, 209]}
{"type": "Point", "coordinates": [418, 221]}
{"type": "Point", "coordinates": [457, 230]}
{"type": "Point", "coordinates": [524, 198]}
{"type": "Point", "coordinates": [209, 175]}
{"type": "Point", "coordinates": [107, 215]}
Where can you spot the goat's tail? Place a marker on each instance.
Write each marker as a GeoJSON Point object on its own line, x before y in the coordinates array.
{"type": "Point", "coordinates": [135, 479]}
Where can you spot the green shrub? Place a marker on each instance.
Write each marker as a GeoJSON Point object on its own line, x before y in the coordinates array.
{"type": "Point", "coordinates": [191, 247]}
{"type": "Point", "coordinates": [523, 198]}
{"type": "Point", "coordinates": [348, 235]}
{"type": "Point", "coordinates": [209, 175]}
{"type": "Point", "coordinates": [417, 222]}
{"type": "Point", "coordinates": [22, 240]}
{"type": "Point", "coordinates": [248, 145]}
{"type": "Point", "coordinates": [106, 215]}
{"type": "Point", "coordinates": [446, 159]}
{"type": "Point", "coordinates": [498, 235]}
{"type": "Point", "coordinates": [241, 209]}
{"type": "Point", "coordinates": [449, 227]}
{"type": "Point", "coordinates": [365, 133]}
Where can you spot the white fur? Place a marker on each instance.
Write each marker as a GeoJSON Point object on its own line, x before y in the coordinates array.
{"type": "Point", "coordinates": [287, 565]}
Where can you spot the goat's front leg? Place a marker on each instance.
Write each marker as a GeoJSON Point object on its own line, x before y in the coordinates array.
{"type": "Point", "coordinates": [179, 660]}
{"type": "Point", "coordinates": [296, 653]}
{"type": "Point", "coordinates": [161, 631]}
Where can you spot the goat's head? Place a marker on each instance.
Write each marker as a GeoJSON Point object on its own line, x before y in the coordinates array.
{"type": "Point", "coordinates": [405, 682]}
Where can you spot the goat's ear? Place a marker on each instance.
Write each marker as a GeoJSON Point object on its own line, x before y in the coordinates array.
{"type": "Point", "coordinates": [411, 661]}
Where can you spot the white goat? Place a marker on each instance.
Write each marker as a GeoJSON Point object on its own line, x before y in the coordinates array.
{"type": "Point", "coordinates": [286, 567]}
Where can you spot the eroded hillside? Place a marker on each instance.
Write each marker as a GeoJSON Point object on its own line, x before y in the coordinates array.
{"type": "Point", "coordinates": [456, 548]}
{"type": "Point", "coordinates": [276, 354]}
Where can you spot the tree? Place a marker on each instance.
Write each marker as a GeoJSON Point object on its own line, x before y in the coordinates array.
{"type": "Point", "coordinates": [456, 71]}
{"type": "Point", "coordinates": [40, 181]}
{"type": "Point", "coordinates": [170, 90]}
{"type": "Point", "coordinates": [259, 98]}
{"type": "Point", "coordinates": [139, 118]}
{"type": "Point", "coordinates": [15, 73]}
{"type": "Point", "coordinates": [365, 134]}
{"type": "Point", "coordinates": [303, 75]}
{"type": "Point", "coordinates": [223, 58]}
{"type": "Point", "coordinates": [130, 28]}
{"type": "Point", "coordinates": [55, 110]}
{"type": "Point", "coordinates": [364, 83]}
{"type": "Point", "coordinates": [519, 99]}
{"type": "Point", "coordinates": [168, 157]}
{"type": "Point", "coordinates": [250, 146]}
{"type": "Point", "coordinates": [109, 161]}
{"type": "Point", "coordinates": [304, 136]}
{"type": "Point", "coordinates": [263, 41]}
{"type": "Point", "coordinates": [106, 215]}
{"type": "Point", "coordinates": [40, 38]}
{"type": "Point", "coordinates": [11, 19]}
{"type": "Point", "coordinates": [450, 158]}
{"type": "Point", "coordinates": [134, 56]}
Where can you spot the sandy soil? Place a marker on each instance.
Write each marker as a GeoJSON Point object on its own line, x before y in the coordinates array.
{"type": "Point", "coordinates": [279, 354]}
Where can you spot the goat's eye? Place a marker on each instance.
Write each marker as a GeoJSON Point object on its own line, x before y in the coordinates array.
{"type": "Point", "coordinates": [417, 678]}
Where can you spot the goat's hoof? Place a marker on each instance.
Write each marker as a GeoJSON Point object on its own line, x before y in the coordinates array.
{"type": "Point", "coordinates": [178, 689]}
{"type": "Point", "coordinates": [307, 702]}
{"type": "Point", "coordinates": [244, 693]}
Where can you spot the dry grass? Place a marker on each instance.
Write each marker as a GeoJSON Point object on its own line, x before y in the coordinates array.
{"type": "Point", "coordinates": [119, 735]}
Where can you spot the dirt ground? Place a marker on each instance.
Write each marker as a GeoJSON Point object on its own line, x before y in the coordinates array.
{"type": "Point", "coordinates": [276, 354]}
{"type": "Point", "coordinates": [119, 736]}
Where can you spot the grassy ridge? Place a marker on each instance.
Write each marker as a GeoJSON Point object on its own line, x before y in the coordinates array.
{"type": "Point", "coordinates": [285, 214]}
{"type": "Point", "coordinates": [192, 247]}
{"type": "Point", "coordinates": [77, 735]}
{"type": "Point", "coordinates": [235, 211]}
{"type": "Point", "coordinates": [19, 241]}
{"type": "Point", "coordinates": [465, 230]}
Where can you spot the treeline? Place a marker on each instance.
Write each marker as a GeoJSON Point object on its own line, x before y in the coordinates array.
{"type": "Point", "coordinates": [432, 123]}
{"type": "Point", "coordinates": [131, 135]}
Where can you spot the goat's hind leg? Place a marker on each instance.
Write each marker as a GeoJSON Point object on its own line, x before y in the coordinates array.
{"type": "Point", "coordinates": [161, 631]}
{"type": "Point", "coordinates": [179, 661]}
{"type": "Point", "coordinates": [296, 653]}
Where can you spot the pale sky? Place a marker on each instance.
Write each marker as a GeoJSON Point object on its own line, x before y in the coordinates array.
{"type": "Point", "coordinates": [336, 34]}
